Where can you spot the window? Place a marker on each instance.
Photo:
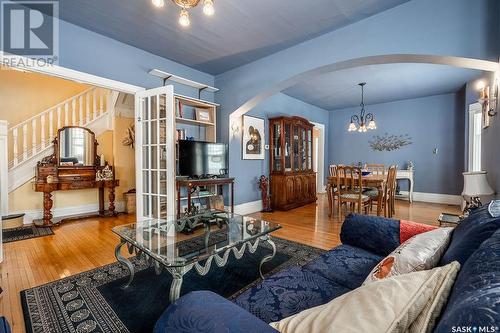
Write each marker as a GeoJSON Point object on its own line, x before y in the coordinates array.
{"type": "Point", "coordinates": [475, 127]}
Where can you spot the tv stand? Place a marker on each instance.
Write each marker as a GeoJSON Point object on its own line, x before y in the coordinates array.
{"type": "Point", "coordinates": [193, 183]}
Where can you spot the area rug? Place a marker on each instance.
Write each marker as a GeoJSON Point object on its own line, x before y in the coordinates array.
{"type": "Point", "coordinates": [93, 301]}
{"type": "Point", "coordinates": [21, 233]}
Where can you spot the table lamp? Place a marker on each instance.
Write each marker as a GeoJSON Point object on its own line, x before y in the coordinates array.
{"type": "Point", "coordinates": [475, 185]}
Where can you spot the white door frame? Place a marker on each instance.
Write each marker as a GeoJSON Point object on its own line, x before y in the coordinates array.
{"type": "Point", "coordinates": [320, 178]}
{"type": "Point", "coordinates": [473, 109]}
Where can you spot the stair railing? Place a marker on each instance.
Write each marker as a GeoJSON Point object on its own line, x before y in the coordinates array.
{"type": "Point", "coordinates": [35, 134]}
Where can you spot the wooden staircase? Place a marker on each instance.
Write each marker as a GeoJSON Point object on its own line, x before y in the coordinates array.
{"type": "Point", "coordinates": [26, 143]}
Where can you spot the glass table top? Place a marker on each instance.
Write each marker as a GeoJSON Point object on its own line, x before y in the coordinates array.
{"type": "Point", "coordinates": [180, 242]}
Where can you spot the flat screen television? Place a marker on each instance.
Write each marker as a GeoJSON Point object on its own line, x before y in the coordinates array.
{"type": "Point", "coordinates": [200, 159]}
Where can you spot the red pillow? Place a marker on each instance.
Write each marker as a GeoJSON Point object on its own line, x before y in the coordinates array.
{"type": "Point", "coordinates": [408, 229]}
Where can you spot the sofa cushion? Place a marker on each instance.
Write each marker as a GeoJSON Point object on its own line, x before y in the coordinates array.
{"type": "Point", "coordinates": [376, 234]}
{"type": "Point", "coordinates": [287, 293]}
{"type": "Point", "coordinates": [345, 264]}
{"type": "Point", "coordinates": [469, 234]}
{"type": "Point", "coordinates": [421, 252]}
{"type": "Point", "coordinates": [475, 297]}
{"type": "Point", "coordinates": [390, 305]}
{"type": "Point", "coordinates": [205, 311]}
{"type": "Point", "coordinates": [408, 229]}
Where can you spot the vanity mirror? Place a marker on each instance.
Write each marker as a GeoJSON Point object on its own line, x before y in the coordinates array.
{"type": "Point", "coordinates": [77, 147]}
{"type": "Point", "coordinates": [74, 165]}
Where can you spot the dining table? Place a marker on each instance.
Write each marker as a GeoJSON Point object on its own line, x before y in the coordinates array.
{"type": "Point", "coordinates": [371, 180]}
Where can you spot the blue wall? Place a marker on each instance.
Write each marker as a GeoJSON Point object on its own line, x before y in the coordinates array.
{"type": "Point", "coordinates": [432, 122]}
{"type": "Point", "coordinates": [247, 172]}
{"type": "Point", "coordinates": [444, 27]}
{"type": "Point", "coordinates": [89, 52]}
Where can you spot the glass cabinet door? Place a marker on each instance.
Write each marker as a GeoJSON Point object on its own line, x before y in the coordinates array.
{"type": "Point", "coordinates": [309, 149]}
{"type": "Point", "coordinates": [296, 151]}
{"type": "Point", "coordinates": [303, 148]}
{"type": "Point", "coordinates": [277, 154]}
{"type": "Point", "coordinates": [288, 147]}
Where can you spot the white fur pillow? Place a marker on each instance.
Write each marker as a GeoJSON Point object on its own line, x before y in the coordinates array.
{"type": "Point", "coordinates": [421, 252]}
{"type": "Point", "coordinates": [398, 304]}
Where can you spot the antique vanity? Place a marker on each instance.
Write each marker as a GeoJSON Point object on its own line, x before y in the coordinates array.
{"type": "Point", "coordinates": [74, 165]}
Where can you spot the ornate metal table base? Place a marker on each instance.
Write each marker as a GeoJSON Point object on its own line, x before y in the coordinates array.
{"type": "Point", "coordinates": [179, 272]}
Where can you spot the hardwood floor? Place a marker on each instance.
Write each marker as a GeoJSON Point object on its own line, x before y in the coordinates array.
{"type": "Point", "coordinates": [86, 244]}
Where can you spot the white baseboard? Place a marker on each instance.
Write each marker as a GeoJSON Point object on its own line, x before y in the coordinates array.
{"type": "Point", "coordinates": [69, 211]}
{"type": "Point", "coordinates": [248, 207]}
{"type": "Point", "coordinates": [447, 199]}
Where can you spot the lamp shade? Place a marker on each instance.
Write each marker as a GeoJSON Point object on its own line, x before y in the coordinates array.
{"type": "Point", "coordinates": [476, 184]}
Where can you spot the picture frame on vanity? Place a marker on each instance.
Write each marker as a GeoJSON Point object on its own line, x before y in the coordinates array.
{"type": "Point", "coordinates": [253, 138]}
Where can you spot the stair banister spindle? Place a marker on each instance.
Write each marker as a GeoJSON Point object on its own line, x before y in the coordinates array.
{"type": "Point", "coordinates": [33, 137]}
{"type": "Point", "coordinates": [42, 130]}
{"type": "Point", "coordinates": [58, 117]}
{"type": "Point", "coordinates": [66, 115]}
{"type": "Point", "coordinates": [51, 125]}
{"type": "Point", "coordinates": [25, 141]}
{"type": "Point", "coordinates": [101, 103]}
{"type": "Point", "coordinates": [87, 107]}
{"type": "Point", "coordinates": [94, 105]}
{"type": "Point", "coordinates": [15, 134]}
{"type": "Point", "coordinates": [73, 113]}
{"type": "Point", "coordinates": [80, 111]}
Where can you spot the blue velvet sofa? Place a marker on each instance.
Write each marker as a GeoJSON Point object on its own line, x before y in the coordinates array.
{"type": "Point", "coordinates": [473, 302]}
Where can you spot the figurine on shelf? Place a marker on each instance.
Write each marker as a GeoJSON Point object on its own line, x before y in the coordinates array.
{"type": "Point", "coordinates": [104, 174]}
{"type": "Point", "coordinates": [266, 200]}
{"type": "Point", "coordinates": [410, 166]}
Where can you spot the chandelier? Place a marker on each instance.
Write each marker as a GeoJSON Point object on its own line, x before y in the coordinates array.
{"type": "Point", "coordinates": [184, 20]}
{"type": "Point", "coordinates": [363, 118]}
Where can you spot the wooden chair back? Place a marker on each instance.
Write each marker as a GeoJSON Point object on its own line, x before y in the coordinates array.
{"type": "Point", "coordinates": [376, 169]}
{"type": "Point", "coordinates": [349, 179]}
{"type": "Point", "coordinates": [332, 169]}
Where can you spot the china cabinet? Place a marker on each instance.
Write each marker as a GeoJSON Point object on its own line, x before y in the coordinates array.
{"type": "Point", "coordinates": [293, 181]}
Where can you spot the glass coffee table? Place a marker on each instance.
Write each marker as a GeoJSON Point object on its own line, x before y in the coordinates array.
{"type": "Point", "coordinates": [179, 245]}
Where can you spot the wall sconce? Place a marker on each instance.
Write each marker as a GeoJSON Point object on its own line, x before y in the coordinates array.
{"type": "Point", "coordinates": [488, 98]}
{"type": "Point", "coordinates": [235, 127]}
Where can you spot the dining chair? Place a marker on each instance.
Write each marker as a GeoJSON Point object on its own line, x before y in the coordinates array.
{"type": "Point", "coordinates": [331, 189]}
{"type": "Point", "coordinates": [390, 192]}
{"type": "Point", "coordinates": [376, 169]}
{"type": "Point", "coordinates": [350, 188]}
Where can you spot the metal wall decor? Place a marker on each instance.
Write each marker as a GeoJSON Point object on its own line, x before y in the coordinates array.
{"type": "Point", "coordinates": [388, 142]}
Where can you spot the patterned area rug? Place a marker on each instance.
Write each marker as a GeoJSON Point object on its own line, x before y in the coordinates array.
{"type": "Point", "coordinates": [17, 234]}
{"type": "Point", "coordinates": [93, 301]}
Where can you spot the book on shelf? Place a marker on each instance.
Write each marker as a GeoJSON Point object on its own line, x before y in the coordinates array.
{"type": "Point", "coordinates": [178, 109]}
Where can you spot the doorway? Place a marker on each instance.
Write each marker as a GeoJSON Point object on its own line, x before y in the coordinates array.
{"type": "Point", "coordinates": [319, 156]}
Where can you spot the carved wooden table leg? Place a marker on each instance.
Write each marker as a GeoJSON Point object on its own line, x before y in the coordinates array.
{"type": "Point", "coordinates": [112, 200]}
{"type": "Point", "coordinates": [47, 206]}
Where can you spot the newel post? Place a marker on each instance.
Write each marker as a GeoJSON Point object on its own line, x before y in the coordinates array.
{"type": "Point", "coordinates": [4, 169]}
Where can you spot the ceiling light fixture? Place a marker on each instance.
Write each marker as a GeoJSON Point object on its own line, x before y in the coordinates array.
{"type": "Point", "coordinates": [185, 5]}
{"type": "Point", "coordinates": [363, 118]}
{"type": "Point", "coordinates": [158, 3]}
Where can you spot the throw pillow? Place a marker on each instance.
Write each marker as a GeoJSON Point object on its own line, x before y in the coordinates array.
{"type": "Point", "coordinates": [421, 252]}
{"type": "Point", "coordinates": [398, 304]}
{"type": "Point", "coordinates": [408, 229]}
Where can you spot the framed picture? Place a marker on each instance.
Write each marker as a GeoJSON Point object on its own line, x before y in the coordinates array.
{"type": "Point", "coordinates": [203, 115]}
{"type": "Point", "coordinates": [485, 95]}
{"type": "Point", "coordinates": [253, 138]}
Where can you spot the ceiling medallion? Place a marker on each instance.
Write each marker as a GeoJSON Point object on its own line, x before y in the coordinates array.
{"type": "Point", "coordinates": [184, 19]}
{"type": "Point", "coordinates": [363, 118]}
